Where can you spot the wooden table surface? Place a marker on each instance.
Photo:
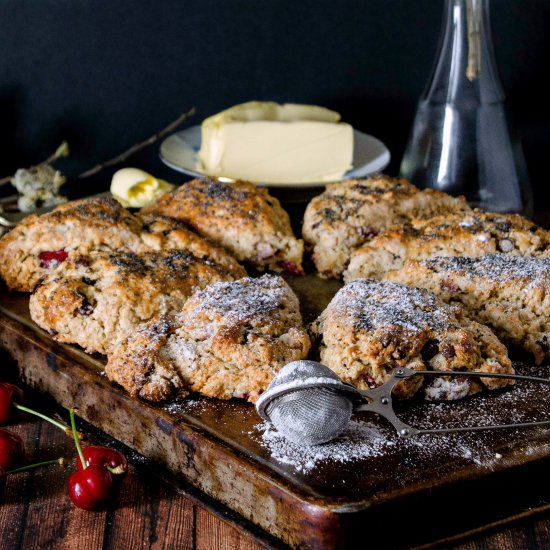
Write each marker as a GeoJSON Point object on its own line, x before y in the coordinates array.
{"type": "Point", "coordinates": [147, 512]}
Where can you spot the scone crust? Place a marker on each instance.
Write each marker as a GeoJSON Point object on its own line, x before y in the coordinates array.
{"type": "Point", "coordinates": [165, 233]}
{"type": "Point", "coordinates": [101, 297]}
{"type": "Point", "coordinates": [511, 294]}
{"type": "Point", "coordinates": [370, 328]}
{"type": "Point", "coordinates": [239, 216]}
{"type": "Point", "coordinates": [76, 228]}
{"type": "Point", "coordinates": [465, 234]}
{"type": "Point", "coordinates": [351, 212]}
{"type": "Point", "coordinates": [229, 340]}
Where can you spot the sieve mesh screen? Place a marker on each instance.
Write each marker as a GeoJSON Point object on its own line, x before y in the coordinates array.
{"type": "Point", "coordinates": [310, 416]}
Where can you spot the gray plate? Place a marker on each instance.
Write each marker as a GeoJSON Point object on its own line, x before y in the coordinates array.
{"type": "Point", "coordinates": [179, 151]}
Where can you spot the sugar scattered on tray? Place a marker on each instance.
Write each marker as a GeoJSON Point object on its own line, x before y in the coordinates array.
{"type": "Point", "coordinates": [361, 441]}
{"type": "Point", "coordinates": [370, 438]}
{"type": "Point", "coordinates": [365, 440]}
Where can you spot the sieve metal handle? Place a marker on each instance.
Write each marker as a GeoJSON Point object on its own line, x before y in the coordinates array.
{"type": "Point", "coordinates": [380, 401]}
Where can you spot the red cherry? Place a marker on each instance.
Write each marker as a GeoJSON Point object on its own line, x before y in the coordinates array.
{"type": "Point", "coordinates": [110, 459]}
{"type": "Point", "coordinates": [9, 394]}
{"type": "Point", "coordinates": [11, 449]}
{"type": "Point", "coordinates": [90, 489]}
{"type": "Point", "coordinates": [50, 258]}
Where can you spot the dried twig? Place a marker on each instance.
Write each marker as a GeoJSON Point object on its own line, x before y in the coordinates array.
{"type": "Point", "coordinates": [138, 146]}
{"type": "Point", "coordinates": [119, 158]}
{"type": "Point", "coordinates": [61, 151]}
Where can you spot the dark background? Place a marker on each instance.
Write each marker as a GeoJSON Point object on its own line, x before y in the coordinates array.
{"type": "Point", "coordinates": [107, 74]}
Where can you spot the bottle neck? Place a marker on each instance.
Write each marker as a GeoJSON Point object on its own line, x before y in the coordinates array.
{"type": "Point", "coordinates": [465, 70]}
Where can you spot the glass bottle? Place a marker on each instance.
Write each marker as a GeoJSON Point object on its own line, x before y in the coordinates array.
{"type": "Point", "coordinates": [461, 141]}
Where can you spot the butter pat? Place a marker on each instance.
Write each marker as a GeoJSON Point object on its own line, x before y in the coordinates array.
{"type": "Point", "coordinates": [135, 188]}
{"type": "Point", "coordinates": [266, 142]}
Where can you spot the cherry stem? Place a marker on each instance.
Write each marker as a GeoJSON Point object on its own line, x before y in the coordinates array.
{"type": "Point", "coordinates": [60, 461]}
{"type": "Point", "coordinates": [49, 419]}
{"type": "Point", "coordinates": [116, 470]}
{"type": "Point", "coordinates": [76, 440]}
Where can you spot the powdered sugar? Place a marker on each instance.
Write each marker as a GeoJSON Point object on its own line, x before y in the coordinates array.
{"type": "Point", "coordinates": [450, 389]}
{"type": "Point", "coordinates": [245, 298]}
{"type": "Point", "coordinates": [362, 440]}
{"type": "Point", "coordinates": [496, 267]}
{"type": "Point", "coordinates": [365, 440]}
{"type": "Point", "coordinates": [370, 437]}
{"type": "Point", "coordinates": [371, 304]}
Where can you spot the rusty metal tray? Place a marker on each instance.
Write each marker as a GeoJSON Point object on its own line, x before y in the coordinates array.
{"type": "Point", "coordinates": [410, 492]}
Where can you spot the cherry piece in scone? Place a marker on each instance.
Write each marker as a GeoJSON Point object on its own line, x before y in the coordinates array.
{"type": "Point", "coordinates": [291, 268]}
{"type": "Point", "coordinates": [2, 480]}
{"type": "Point", "coordinates": [50, 258]}
{"type": "Point", "coordinates": [110, 459]}
{"type": "Point", "coordinates": [9, 394]}
{"type": "Point", "coordinates": [11, 449]}
{"type": "Point", "coordinates": [91, 488]}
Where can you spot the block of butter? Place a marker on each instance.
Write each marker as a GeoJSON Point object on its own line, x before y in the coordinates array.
{"type": "Point", "coordinates": [135, 188]}
{"type": "Point", "coordinates": [265, 142]}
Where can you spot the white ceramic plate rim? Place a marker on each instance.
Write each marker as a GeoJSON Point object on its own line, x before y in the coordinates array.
{"type": "Point", "coordinates": [179, 151]}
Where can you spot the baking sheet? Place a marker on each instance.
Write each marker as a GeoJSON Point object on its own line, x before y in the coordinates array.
{"type": "Point", "coordinates": [313, 497]}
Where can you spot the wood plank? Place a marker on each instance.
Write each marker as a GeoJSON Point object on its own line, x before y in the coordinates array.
{"type": "Point", "coordinates": [18, 491]}
{"type": "Point", "coordinates": [145, 513]}
{"type": "Point", "coordinates": [148, 514]}
{"type": "Point", "coordinates": [52, 520]}
{"type": "Point", "coordinates": [164, 517]}
{"type": "Point", "coordinates": [215, 534]}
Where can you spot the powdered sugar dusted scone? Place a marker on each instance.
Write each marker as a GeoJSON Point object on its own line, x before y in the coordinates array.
{"type": "Point", "coordinates": [466, 234]}
{"type": "Point", "coordinates": [41, 243]}
{"type": "Point", "coordinates": [229, 340]}
{"type": "Point", "coordinates": [370, 328]}
{"type": "Point", "coordinates": [351, 212]}
{"type": "Point", "coordinates": [99, 298]}
{"type": "Point", "coordinates": [511, 294]}
{"type": "Point", "coordinates": [239, 216]}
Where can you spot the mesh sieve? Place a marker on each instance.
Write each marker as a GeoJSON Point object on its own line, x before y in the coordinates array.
{"type": "Point", "coordinates": [309, 404]}
{"type": "Point", "coordinates": [311, 416]}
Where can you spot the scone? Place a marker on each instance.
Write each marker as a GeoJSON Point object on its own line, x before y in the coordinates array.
{"type": "Point", "coordinates": [351, 212]}
{"type": "Point", "coordinates": [465, 234]}
{"type": "Point", "coordinates": [370, 328]}
{"type": "Point", "coordinates": [239, 216]}
{"type": "Point", "coordinates": [228, 340]}
{"type": "Point", "coordinates": [99, 298]}
{"type": "Point", "coordinates": [41, 243]}
{"type": "Point", "coordinates": [511, 294]}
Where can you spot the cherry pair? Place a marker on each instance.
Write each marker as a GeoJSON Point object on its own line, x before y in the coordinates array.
{"type": "Point", "coordinates": [99, 469]}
